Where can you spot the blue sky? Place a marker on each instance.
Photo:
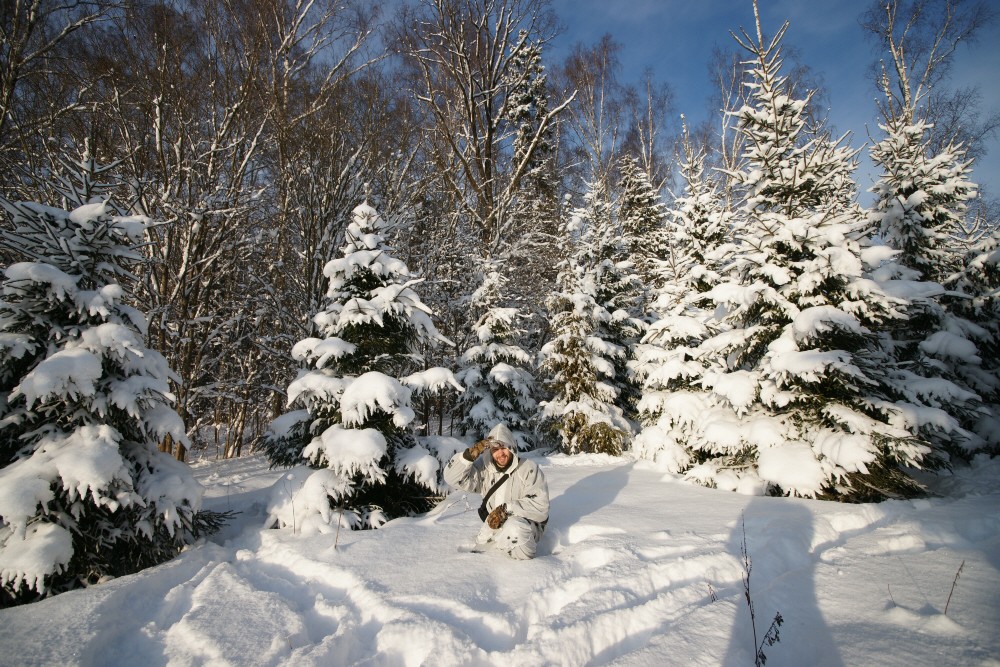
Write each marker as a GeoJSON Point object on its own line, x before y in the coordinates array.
{"type": "Point", "coordinates": [676, 38]}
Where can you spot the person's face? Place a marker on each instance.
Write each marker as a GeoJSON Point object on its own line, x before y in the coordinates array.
{"type": "Point", "coordinates": [501, 455]}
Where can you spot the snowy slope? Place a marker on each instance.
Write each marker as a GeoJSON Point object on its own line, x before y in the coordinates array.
{"type": "Point", "coordinates": [636, 569]}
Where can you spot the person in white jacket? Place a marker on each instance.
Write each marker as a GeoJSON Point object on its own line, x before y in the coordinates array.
{"type": "Point", "coordinates": [516, 497]}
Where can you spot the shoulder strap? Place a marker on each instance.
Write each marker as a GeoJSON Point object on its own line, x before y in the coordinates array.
{"type": "Point", "coordinates": [495, 487]}
{"type": "Point", "coordinates": [483, 512]}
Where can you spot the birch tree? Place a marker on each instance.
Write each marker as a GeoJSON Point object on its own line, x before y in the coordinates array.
{"type": "Point", "coordinates": [462, 54]}
{"type": "Point", "coordinates": [918, 40]}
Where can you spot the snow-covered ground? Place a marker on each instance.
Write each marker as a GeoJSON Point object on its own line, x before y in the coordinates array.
{"type": "Point", "coordinates": [637, 568]}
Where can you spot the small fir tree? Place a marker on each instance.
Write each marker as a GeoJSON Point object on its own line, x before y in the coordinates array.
{"type": "Point", "coordinates": [979, 283]}
{"type": "Point", "coordinates": [920, 206]}
{"type": "Point", "coordinates": [642, 215]}
{"type": "Point", "coordinates": [921, 199]}
{"type": "Point", "coordinates": [355, 394]}
{"type": "Point", "coordinates": [607, 273]}
{"type": "Point", "coordinates": [84, 492]}
{"type": "Point", "coordinates": [585, 363]}
{"type": "Point", "coordinates": [700, 226]}
{"type": "Point", "coordinates": [581, 411]}
{"type": "Point", "coordinates": [495, 370]}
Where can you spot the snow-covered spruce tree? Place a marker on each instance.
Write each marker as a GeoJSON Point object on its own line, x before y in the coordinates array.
{"type": "Point", "coordinates": [355, 393]}
{"type": "Point", "coordinates": [700, 226]}
{"type": "Point", "coordinates": [581, 412]}
{"type": "Point", "coordinates": [608, 274]}
{"type": "Point", "coordinates": [533, 231]}
{"type": "Point", "coordinates": [699, 229]}
{"type": "Point", "coordinates": [642, 215]}
{"type": "Point", "coordinates": [84, 493]}
{"type": "Point", "coordinates": [794, 395]}
{"type": "Point", "coordinates": [920, 206]}
{"type": "Point", "coordinates": [921, 199]}
{"type": "Point", "coordinates": [526, 107]}
{"type": "Point", "coordinates": [979, 280]}
{"type": "Point", "coordinates": [495, 370]}
{"type": "Point", "coordinates": [585, 362]}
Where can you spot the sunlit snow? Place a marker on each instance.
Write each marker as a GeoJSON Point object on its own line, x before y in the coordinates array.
{"type": "Point", "coordinates": [636, 568]}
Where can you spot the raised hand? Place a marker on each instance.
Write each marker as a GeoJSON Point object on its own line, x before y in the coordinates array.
{"type": "Point", "coordinates": [472, 453]}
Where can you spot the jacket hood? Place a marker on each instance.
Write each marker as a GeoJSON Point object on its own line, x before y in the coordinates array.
{"type": "Point", "coordinates": [501, 433]}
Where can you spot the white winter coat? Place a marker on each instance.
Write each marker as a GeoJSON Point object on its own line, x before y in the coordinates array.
{"type": "Point", "coordinates": [525, 492]}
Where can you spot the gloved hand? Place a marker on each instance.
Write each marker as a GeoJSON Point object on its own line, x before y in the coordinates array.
{"type": "Point", "coordinates": [497, 516]}
{"type": "Point", "coordinates": [472, 453]}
